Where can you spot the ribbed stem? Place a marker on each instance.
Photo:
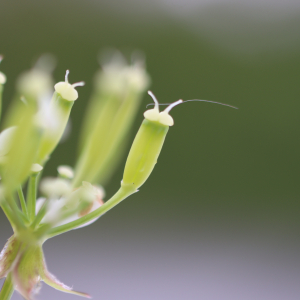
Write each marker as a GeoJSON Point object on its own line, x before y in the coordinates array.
{"type": "Point", "coordinates": [22, 201]}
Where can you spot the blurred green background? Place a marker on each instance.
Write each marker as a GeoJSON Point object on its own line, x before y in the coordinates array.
{"type": "Point", "coordinates": [226, 179]}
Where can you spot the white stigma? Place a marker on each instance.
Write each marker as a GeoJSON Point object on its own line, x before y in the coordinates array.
{"type": "Point", "coordinates": [67, 90]}
{"type": "Point", "coordinates": [80, 83]}
{"type": "Point", "coordinates": [67, 76]}
{"type": "Point", "coordinates": [156, 106]}
{"type": "Point", "coordinates": [162, 117]}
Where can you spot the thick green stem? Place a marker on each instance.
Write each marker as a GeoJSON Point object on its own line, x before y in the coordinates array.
{"type": "Point", "coordinates": [31, 196]}
{"type": "Point", "coordinates": [7, 289]}
{"type": "Point", "coordinates": [120, 195]}
{"type": "Point", "coordinates": [22, 201]}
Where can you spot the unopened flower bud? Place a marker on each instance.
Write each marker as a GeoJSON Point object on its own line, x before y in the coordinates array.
{"type": "Point", "coordinates": [37, 83]}
{"type": "Point", "coordinates": [60, 106]}
{"type": "Point", "coordinates": [2, 78]}
{"type": "Point", "coordinates": [36, 168]}
{"type": "Point", "coordinates": [65, 172]}
{"type": "Point", "coordinates": [147, 145]}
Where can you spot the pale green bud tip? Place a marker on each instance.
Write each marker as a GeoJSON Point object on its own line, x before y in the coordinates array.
{"type": "Point", "coordinates": [6, 139]}
{"type": "Point", "coordinates": [2, 78]}
{"type": "Point", "coordinates": [36, 168]}
{"type": "Point", "coordinates": [162, 117]}
{"type": "Point", "coordinates": [67, 90]}
{"type": "Point", "coordinates": [65, 172]}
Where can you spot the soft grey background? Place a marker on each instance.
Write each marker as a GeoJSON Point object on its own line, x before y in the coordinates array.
{"type": "Point", "coordinates": [219, 216]}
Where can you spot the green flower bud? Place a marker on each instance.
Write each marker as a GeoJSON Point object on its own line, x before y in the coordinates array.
{"type": "Point", "coordinates": [147, 145]}
{"type": "Point", "coordinates": [58, 113]}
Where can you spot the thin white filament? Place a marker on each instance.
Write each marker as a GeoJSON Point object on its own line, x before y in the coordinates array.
{"type": "Point", "coordinates": [156, 105]}
{"type": "Point", "coordinates": [199, 100]}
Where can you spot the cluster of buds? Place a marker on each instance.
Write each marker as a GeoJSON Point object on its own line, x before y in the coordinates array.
{"type": "Point", "coordinates": [74, 198]}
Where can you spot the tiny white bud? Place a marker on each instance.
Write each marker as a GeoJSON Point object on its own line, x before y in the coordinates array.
{"type": "Point", "coordinates": [67, 90]}
{"type": "Point", "coordinates": [36, 168]}
{"type": "Point", "coordinates": [2, 78]}
{"type": "Point", "coordinates": [55, 187]}
{"type": "Point", "coordinates": [65, 172]}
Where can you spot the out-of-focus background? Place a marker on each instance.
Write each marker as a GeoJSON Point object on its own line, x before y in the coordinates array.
{"type": "Point", "coordinates": [219, 217]}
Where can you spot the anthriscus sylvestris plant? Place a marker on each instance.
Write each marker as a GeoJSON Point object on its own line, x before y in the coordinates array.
{"type": "Point", "coordinates": [34, 125]}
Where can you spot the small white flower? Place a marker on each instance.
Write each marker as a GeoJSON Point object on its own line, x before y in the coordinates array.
{"type": "Point", "coordinates": [55, 187]}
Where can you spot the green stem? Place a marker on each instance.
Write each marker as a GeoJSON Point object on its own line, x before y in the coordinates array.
{"type": "Point", "coordinates": [120, 195]}
{"type": "Point", "coordinates": [9, 214]}
{"type": "Point", "coordinates": [31, 196]}
{"type": "Point", "coordinates": [19, 217]}
{"type": "Point", "coordinates": [40, 215]}
{"type": "Point", "coordinates": [22, 201]}
{"type": "Point", "coordinates": [7, 289]}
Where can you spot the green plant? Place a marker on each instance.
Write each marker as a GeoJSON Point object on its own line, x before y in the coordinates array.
{"type": "Point", "coordinates": [73, 199]}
